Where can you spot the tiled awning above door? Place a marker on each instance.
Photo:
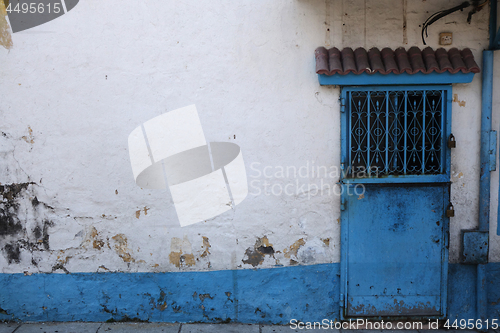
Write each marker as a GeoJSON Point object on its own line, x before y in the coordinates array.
{"type": "Point", "coordinates": [398, 66]}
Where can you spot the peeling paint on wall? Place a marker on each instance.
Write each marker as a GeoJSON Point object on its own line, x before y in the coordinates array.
{"type": "Point", "coordinates": [456, 100]}
{"type": "Point", "coordinates": [121, 248]}
{"type": "Point", "coordinates": [160, 303]}
{"type": "Point", "coordinates": [29, 138]}
{"type": "Point", "coordinates": [291, 252]}
{"type": "Point", "coordinates": [93, 238]}
{"type": "Point", "coordinates": [5, 32]}
{"type": "Point", "coordinates": [181, 253]}
{"type": "Point", "coordinates": [255, 256]}
{"type": "Point", "coordinates": [138, 212]}
{"type": "Point", "coordinates": [206, 247]}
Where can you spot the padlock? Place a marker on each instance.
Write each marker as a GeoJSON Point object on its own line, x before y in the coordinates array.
{"type": "Point", "coordinates": [450, 211]}
{"type": "Point", "coordinates": [451, 142]}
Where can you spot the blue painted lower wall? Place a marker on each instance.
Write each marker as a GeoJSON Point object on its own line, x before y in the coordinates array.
{"type": "Point", "coordinates": [277, 295]}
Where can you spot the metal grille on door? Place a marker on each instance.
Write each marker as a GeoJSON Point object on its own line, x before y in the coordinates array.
{"type": "Point", "coordinates": [398, 132]}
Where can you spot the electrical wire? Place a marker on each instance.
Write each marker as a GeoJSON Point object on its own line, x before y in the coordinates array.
{"type": "Point", "coordinates": [436, 16]}
{"type": "Point", "coordinates": [475, 10]}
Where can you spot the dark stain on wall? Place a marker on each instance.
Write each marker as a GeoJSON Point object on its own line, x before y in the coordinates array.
{"type": "Point", "coordinates": [59, 266]}
{"type": "Point", "coordinates": [11, 191]}
{"type": "Point", "coordinates": [12, 253]}
{"type": "Point", "coordinates": [9, 207]}
{"type": "Point", "coordinates": [14, 236]}
{"type": "Point", "coordinates": [35, 203]}
{"type": "Point", "coordinates": [175, 307]}
{"type": "Point", "coordinates": [255, 256]}
{"type": "Point", "coordinates": [8, 224]}
{"type": "Point", "coordinates": [42, 234]}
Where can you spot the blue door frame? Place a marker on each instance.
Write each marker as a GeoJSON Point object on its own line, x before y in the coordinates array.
{"type": "Point", "coordinates": [434, 187]}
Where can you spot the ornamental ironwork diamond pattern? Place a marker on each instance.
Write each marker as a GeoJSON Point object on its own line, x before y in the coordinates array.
{"type": "Point", "coordinates": [398, 132]}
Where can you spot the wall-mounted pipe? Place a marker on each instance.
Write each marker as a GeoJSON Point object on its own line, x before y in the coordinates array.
{"type": "Point", "coordinates": [485, 174]}
{"type": "Point", "coordinates": [484, 183]}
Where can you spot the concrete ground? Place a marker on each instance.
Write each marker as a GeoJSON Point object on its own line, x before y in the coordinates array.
{"type": "Point", "coordinates": [172, 328]}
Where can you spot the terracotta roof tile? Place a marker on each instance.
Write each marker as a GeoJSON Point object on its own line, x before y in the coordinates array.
{"type": "Point", "coordinates": [443, 60]}
{"type": "Point", "coordinates": [403, 59]}
{"type": "Point", "coordinates": [387, 61]}
{"type": "Point", "coordinates": [348, 62]}
{"type": "Point", "coordinates": [431, 63]}
{"type": "Point", "coordinates": [376, 63]}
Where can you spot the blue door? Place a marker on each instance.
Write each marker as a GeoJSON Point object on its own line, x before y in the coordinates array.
{"type": "Point", "coordinates": [395, 193]}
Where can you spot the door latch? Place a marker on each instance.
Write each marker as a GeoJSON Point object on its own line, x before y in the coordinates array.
{"type": "Point", "coordinates": [452, 143]}
{"type": "Point", "coordinates": [450, 211]}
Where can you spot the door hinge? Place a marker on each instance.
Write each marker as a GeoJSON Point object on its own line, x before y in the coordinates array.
{"type": "Point", "coordinates": [342, 301]}
{"type": "Point", "coordinates": [493, 150]}
{"type": "Point", "coordinates": [342, 105]}
{"type": "Point", "coordinates": [342, 203]}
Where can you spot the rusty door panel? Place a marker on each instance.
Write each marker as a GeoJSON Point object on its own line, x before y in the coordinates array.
{"type": "Point", "coordinates": [369, 306]}
{"type": "Point", "coordinates": [394, 247]}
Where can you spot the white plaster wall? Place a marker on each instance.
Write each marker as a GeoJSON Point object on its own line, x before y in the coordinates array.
{"type": "Point", "coordinates": [84, 81]}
